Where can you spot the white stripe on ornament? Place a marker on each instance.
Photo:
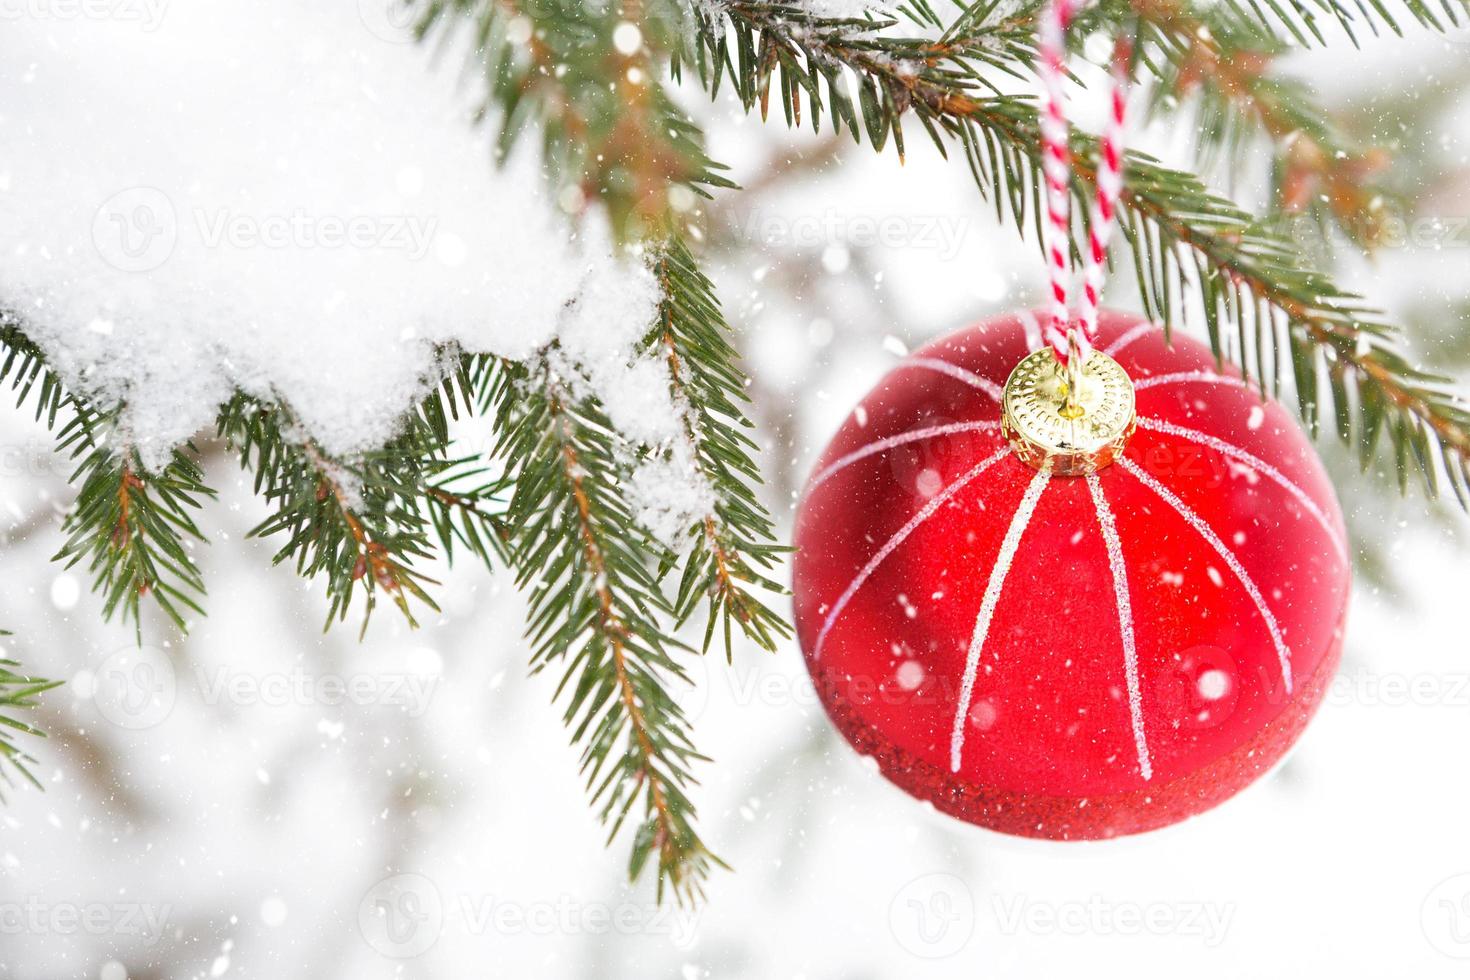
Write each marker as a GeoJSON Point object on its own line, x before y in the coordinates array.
{"type": "Point", "coordinates": [1255, 463]}
{"type": "Point", "coordinates": [1203, 377]}
{"type": "Point", "coordinates": [1125, 621]}
{"type": "Point", "coordinates": [1132, 334]}
{"type": "Point", "coordinates": [954, 371]}
{"type": "Point", "coordinates": [998, 572]}
{"type": "Point", "coordinates": [1197, 522]}
{"type": "Point", "coordinates": [882, 445]}
{"type": "Point", "coordinates": [892, 543]}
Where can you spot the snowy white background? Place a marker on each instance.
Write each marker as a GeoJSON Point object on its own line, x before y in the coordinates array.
{"type": "Point", "coordinates": [248, 823]}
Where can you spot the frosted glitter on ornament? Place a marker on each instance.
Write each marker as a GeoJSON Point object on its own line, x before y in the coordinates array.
{"type": "Point", "coordinates": [1100, 655]}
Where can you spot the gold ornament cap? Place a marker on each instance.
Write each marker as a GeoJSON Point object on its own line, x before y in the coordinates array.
{"type": "Point", "coordinates": [1074, 420]}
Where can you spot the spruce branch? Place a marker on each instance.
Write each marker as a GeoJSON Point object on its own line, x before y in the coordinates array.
{"type": "Point", "coordinates": [465, 506]}
{"type": "Point", "coordinates": [613, 137]}
{"type": "Point", "coordinates": [610, 132]}
{"type": "Point", "coordinates": [18, 692]}
{"type": "Point", "coordinates": [463, 499]}
{"type": "Point", "coordinates": [132, 527]}
{"type": "Point", "coordinates": [1225, 64]}
{"type": "Point", "coordinates": [633, 166]}
{"type": "Point", "coordinates": [356, 522]}
{"type": "Point", "coordinates": [1303, 20]}
{"type": "Point", "coordinates": [732, 546]}
{"type": "Point", "coordinates": [597, 609]}
{"type": "Point", "coordinates": [1187, 243]}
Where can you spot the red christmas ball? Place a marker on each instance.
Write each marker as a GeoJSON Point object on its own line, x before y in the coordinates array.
{"type": "Point", "coordinates": [1070, 657]}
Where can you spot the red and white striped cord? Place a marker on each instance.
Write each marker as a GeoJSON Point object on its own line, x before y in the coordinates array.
{"type": "Point", "coordinates": [1056, 166]}
{"type": "Point", "coordinates": [1109, 187]}
{"type": "Point", "coordinates": [1061, 333]}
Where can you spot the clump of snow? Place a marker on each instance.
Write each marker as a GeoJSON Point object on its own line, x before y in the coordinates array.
{"type": "Point", "coordinates": [669, 493]}
{"type": "Point", "coordinates": [666, 489]}
{"type": "Point", "coordinates": [289, 198]}
{"type": "Point", "coordinates": [601, 351]}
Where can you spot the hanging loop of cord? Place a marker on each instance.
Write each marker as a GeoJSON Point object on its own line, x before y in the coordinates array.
{"type": "Point", "coordinates": [1071, 341]}
{"type": "Point", "coordinates": [1066, 407]}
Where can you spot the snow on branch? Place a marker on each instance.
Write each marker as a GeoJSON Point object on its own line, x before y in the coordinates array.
{"type": "Point", "coordinates": [189, 211]}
